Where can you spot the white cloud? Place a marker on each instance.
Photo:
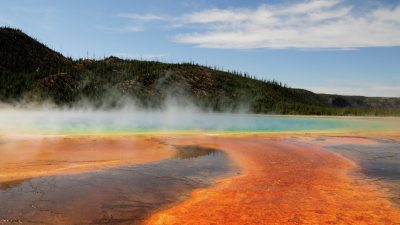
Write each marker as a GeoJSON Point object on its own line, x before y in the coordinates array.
{"type": "Point", "coordinates": [143, 17]}
{"type": "Point", "coordinates": [124, 29]}
{"type": "Point", "coordinates": [313, 24]}
{"type": "Point", "coordinates": [149, 56]}
{"type": "Point", "coordinates": [136, 22]}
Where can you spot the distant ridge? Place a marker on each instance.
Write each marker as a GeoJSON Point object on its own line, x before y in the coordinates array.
{"type": "Point", "coordinates": [32, 72]}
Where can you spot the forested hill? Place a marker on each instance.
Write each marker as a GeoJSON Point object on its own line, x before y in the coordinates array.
{"type": "Point", "coordinates": [32, 72]}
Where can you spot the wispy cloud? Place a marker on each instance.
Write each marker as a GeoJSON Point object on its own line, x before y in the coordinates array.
{"type": "Point", "coordinates": [313, 24]}
{"type": "Point", "coordinates": [148, 56]}
{"type": "Point", "coordinates": [137, 22]}
{"type": "Point", "coordinates": [124, 29]}
{"type": "Point", "coordinates": [143, 17]}
{"type": "Point", "coordinates": [308, 24]}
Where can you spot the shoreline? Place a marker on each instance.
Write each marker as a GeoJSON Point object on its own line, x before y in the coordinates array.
{"type": "Point", "coordinates": [342, 132]}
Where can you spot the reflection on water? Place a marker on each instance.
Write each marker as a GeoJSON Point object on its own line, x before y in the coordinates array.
{"type": "Point", "coordinates": [122, 195]}
{"type": "Point", "coordinates": [380, 161]}
{"type": "Point", "coordinates": [194, 151]}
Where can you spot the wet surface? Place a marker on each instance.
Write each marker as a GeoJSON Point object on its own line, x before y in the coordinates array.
{"type": "Point", "coordinates": [284, 180]}
{"type": "Point", "coordinates": [124, 195]}
{"type": "Point", "coordinates": [27, 157]}
{"type": "Point", "coordinates": [379, 161]}
{"type": "Point", "coordinates": [193, 151]}
{"type": "Point", "coordinates": [289, 179]}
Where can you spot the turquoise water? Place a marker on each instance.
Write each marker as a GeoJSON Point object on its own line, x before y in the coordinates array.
{"type": "Point", "coordinates": [126, 121]}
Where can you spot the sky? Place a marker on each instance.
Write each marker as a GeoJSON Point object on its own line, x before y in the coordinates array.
{"type": "Point", "coordinates": [349, 47]}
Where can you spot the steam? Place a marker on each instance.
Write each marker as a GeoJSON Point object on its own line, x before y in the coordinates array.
{"type": "Point", "coordinates": [128, 117]}
{"type": "Point", "coordinates": [175, 116]}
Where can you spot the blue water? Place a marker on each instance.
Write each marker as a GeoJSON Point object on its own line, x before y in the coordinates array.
{"type": "Point", "coordinates": [130, 121]}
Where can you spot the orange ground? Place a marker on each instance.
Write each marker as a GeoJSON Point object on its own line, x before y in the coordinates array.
{"type": "Point", "coordinates": [284, 179]}
{"type": "Point", "coordinates": [282, 183]}
{"type": "Point", "coordinates": [31, 157]}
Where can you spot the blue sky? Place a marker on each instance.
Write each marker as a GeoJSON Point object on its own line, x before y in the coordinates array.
{"type": "Point", "coordinates": [333, 46]}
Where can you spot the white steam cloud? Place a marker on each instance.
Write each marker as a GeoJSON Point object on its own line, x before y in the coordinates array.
{"type": "Point", "coordinates": [175, 116]}
{"type": "Point", "coordinates": [42, 120]}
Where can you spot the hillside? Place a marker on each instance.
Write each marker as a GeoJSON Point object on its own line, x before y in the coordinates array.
{"type": "Point", "coordinates": [21, 53]}
{"type": "Point", "coordinates": [30, 71]}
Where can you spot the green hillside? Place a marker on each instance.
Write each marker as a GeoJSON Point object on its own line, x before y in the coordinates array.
{"type": "Point", "coordinates": [30, 71]}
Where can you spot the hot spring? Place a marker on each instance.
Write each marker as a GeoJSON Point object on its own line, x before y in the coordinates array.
{"type": "Point", "coordinates": [182, 165]}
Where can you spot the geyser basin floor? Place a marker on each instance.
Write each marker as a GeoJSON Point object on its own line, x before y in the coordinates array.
{"type": "Point", "coordinates": [286, 180]}
{"type": "Point", "coordinates": [283, 179]}
{"type": "Point", "coordinates": [123, 195]}
{"type": "Point", "coordinates": [26, 157]}
{"type": "Point", "coordinates": [380, 161]}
